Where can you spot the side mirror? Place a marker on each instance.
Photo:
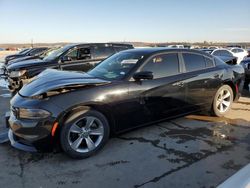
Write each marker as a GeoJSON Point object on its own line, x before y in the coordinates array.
{"type": "Point", "coordinates": [145, 75]}
{"type": "Point", "coordinates": [65, 58]}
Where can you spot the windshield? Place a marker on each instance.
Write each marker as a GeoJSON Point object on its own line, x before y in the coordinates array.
{"type": "Point", "coordinates": [56, 53]}
{"type": "Point", "coordinates": [48, 52]}
{"type": "Point", "coordinates": [116, 67]}
{"type": "Point", "coordinates": [24, 51]}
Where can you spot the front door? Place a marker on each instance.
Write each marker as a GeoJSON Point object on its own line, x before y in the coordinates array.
{"type": "Point", "coordinates": [161, 97]}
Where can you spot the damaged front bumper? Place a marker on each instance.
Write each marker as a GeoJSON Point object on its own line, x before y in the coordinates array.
{"type": "Point", "coordinates": [4, 133]}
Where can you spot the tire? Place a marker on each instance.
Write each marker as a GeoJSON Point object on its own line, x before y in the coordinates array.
{"type": "Point", "coordinates": [222, 101]}
{"type": "Point", "coordinates": [84, 134]}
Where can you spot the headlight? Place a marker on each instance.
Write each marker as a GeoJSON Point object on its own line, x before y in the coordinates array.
{"type": "Point", "coordinates": [24, 113]}
{"type": "Point", "coordinates": [15, 74]}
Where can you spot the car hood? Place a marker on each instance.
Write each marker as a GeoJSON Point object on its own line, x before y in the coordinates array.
{"type": "Point", "coordinates": [24, 64]}
{"type": "Point", "coordinates": [52, 80]}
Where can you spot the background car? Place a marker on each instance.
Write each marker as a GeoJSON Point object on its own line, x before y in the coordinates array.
{"type": "Point", "coordinates": [239, 53]}
{"type": "Point", "coordinates": [36, 56]}
{"type": "Point", "coordinates": [176, 46]}
{"type": "Point", "coordinates": [248, 51]}
{"type": "Point", "coordinates": [78, 111]}
{"type": "Point", "coordinates": [226, 55]}
{"type": "Point", "coordinates": [25, 52]}
{"type": "Point", "coordinates": [246, 64]}
{"type": "Point", "coordinates": [77, 57]}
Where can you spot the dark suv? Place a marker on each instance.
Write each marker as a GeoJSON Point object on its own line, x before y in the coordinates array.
{"type": "Point", "coordinates": [246, 64]}
{"type": "Point", "coordinates": [78, 57]}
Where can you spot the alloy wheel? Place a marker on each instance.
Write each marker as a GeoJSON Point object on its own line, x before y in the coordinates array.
{"type": "Point", "coordinates": [86, 134]}
{"type": "Point", "coordinates": [223, 101]}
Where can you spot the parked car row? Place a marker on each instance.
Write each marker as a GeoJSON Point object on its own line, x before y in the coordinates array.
{"type": "Point", "coordinates": [26, 52]}
{"type": "Point", "coordinates": [92, 96]}
{"type": "Point", "coordinates": [78, 57]}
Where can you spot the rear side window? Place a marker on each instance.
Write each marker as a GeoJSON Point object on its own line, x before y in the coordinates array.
{"type": "Point", "coordinates": [209, 62]}
{"type": "Point", "coordinates": [84, 53]}
{"type": "Point", "coordinates": [218, 61]}
{"type": "Point", "coordinates": [194, 62]}
{"type": "Point", "coordinates": [222, 53]}
{"type": "Point", "coordinates": [163, 65]}
{"type": "Point", "coordinates": [239, 50]}
{"type": "Point", "coordinates": [103, 51]}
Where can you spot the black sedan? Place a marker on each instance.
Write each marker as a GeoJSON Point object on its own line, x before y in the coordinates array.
{"type": "Point", "coordinates": [133, 88]}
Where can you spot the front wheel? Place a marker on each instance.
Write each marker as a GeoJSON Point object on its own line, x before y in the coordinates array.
{"type": "Point", "coordinates": [222, 101]}
{"type": "Point", "coordinates": [84, 133]}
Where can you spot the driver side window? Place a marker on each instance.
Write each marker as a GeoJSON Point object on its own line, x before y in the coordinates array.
{"type": "Point", "coordinates": [72, 55]}
{"type": "Point", "coordinates": [163, 65]}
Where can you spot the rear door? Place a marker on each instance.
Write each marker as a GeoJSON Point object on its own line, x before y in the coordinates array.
{"type": "Point", "coordinates": [201, 78]}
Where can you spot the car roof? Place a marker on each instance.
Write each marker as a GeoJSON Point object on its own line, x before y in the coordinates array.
{"type": "Point", "coordinates": [220, 49]}
{"type": "Point", "coordinates": [82, 44]}
{"type": "Point", "coordinates": [153, 50]}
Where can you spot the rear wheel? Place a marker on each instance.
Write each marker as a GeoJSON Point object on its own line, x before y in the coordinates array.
{"type": "Point", "coordinates": [84, 134]}
{"type": "Point", "coordinates": [222, 101]}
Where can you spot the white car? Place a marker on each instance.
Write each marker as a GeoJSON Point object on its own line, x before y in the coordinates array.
{"type": "Point", "coordinates": [176, 46]}
{"type": "Point", "coordinates": [240, 53]}
{"type": "Point", "coordinates": [232, 52]}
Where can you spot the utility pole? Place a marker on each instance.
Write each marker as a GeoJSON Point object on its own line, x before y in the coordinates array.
{"type": "Point", "coordinates": [32, 43]}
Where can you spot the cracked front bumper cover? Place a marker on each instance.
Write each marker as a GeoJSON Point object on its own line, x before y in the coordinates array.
{"type": "Point", "coordinates": [19, 145]}
{"type": "Point", "coordinates": [4, 136]}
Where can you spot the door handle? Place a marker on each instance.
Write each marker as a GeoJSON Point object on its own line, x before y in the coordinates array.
{"type": "Point", "coordinates": [180, 84]}
{"type": "Point", "coordinates": [216, 75]}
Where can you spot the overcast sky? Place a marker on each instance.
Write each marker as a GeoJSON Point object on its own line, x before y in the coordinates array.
{"type": "Point", "coordinates": [124, 20]}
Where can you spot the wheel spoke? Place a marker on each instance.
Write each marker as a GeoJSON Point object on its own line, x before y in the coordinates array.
{"type": "Point", "coordinates": [226, 95]}
{"type": "Point", "coordinates": [226, 103]}
{"type": "Point", "coordinates": [75, 129]}
{"type": "Point", "coordinates": [221, 107]}
{"type": "Point", "coordinates": [90, 143]}
{"type": "Point", "coordinates": [98, 131]}
{"type": "Point", "coordinates": [221, 93]}
{"type": "Point", "coordinates": [217, 103]}
{"type": "Point", "coordinates": [76, 143]}
{"type": "Point", "coordinates": [89, 123]}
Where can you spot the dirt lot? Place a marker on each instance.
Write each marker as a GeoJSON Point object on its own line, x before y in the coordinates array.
{"type": "Point", "coordinates": [193, 151]}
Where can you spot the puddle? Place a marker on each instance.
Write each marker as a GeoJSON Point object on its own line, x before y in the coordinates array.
{"type": "Point", "coordinates": [3, 83]}
{"type": "Point", "coordinates": [226, 121]}
{"type": "Point", "coordinates": [6, 95]}
{"type": "Point", "coordinates": [4, 136]}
